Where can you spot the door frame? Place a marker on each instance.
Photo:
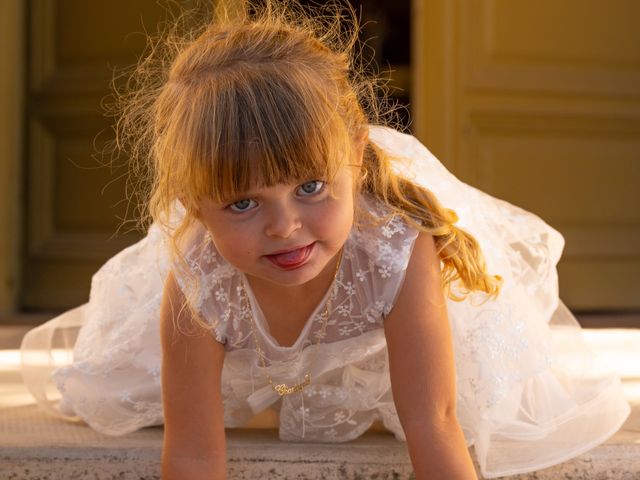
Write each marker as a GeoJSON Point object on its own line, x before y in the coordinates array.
{"type": "Point", "coordinates": [12, 79]}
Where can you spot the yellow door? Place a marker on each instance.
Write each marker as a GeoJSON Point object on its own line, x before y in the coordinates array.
{"type": "Point", "coordinates": [74, 204]}
{"type": "Point", "coordinates": [538, 103]}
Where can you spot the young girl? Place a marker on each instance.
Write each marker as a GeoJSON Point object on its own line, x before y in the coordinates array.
{"type": "Point", "coordinates": [301, 260]}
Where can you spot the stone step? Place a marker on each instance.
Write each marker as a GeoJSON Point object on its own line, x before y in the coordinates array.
{"type": "Point", "coordinates": [36, 446]}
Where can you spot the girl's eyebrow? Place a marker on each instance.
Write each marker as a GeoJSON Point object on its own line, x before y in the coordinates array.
{"type": "Point", "coordinates": [258, 192]}
{"type": "Point", "coordinates": [246, 194]}
{"type": "Point", "coordinates": [249, 194]}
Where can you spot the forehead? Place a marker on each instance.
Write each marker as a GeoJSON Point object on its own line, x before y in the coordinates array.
{"type": "Point", "coordinates": [234, 145]}
{"type": "Point", "coordinates": [259, 166]}
{"type": "Point", "coordinates": [340, 181]}
{"type": "Point", "coordinates": [259, 190]}
{"type": "Point", "coordinates": [260, 177]}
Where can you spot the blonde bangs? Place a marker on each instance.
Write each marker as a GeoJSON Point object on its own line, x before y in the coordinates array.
{"type": "Point", "coordinates": [250, 128]}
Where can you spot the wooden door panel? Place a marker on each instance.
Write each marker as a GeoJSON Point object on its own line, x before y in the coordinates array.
{"type": "Point", "coordinates": [75, 204]}
{"type": "Point", "coordinates": [573, 47]}
{"type": "Point", "coordinates": [538, 103]}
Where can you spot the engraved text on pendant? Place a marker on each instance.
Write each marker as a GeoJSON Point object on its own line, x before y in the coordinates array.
{"type": "Point", "coordinates": [282, 389]}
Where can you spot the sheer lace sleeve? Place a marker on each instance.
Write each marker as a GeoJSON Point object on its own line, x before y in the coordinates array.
{"type": "Point", "coordinates": [380, 259]}
{"type": "Point", "coordinates": [205, 280]}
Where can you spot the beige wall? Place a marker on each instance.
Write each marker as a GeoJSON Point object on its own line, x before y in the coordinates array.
{"type": "Point", "coordinates": [11, 85]}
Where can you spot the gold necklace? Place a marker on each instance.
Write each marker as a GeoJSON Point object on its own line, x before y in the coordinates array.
{"type": "Point", "coordinates": [283, 389]}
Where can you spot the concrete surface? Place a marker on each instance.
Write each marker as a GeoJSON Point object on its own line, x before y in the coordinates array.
{"type": "Point", "coordinates": [34, 445]}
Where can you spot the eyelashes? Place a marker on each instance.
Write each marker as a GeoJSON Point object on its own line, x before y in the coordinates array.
{"type": "Point", "coordinates": [306, 189]}
{"type": "Point", "coordinates": [317, 186]}
{"type": "Point", "coordinates": [243, 205]}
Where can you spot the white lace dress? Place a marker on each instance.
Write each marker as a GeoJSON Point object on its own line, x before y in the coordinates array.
{"type": "Point", "coordinates": [529, 393]}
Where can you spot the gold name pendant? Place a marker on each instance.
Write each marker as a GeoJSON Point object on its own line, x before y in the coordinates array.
{"type": "Point", "coordinates": [282, 389]}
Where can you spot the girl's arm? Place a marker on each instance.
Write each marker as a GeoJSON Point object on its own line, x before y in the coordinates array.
{"type": "Point", "coordinates": [194, 438]}
{"type": "Point", "coordinates": [423, 372]}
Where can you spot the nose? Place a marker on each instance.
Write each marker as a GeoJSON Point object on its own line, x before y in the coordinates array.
{"type": "Point", "coordinates": [282, 221]}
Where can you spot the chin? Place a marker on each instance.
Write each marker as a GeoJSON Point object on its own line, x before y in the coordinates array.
{"type": "Point", "coordinates": [294, 278]}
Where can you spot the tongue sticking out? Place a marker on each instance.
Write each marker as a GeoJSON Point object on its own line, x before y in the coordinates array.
{"type": "Point", "coordinates": [290, 258]}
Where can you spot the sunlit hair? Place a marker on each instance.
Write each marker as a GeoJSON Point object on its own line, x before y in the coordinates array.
{"type": "Point", "coordinates": [270, 95]}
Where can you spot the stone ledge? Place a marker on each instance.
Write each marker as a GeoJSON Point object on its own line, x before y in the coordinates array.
{"type": "Point", "coordinates": [35, 446]}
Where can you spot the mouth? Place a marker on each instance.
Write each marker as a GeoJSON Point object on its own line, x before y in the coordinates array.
{"type": "Point", "coordinates": [292, 258]}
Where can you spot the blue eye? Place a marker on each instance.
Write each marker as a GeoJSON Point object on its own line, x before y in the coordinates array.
{"type": "Point", "coordinates": [243, 205]}
{"type": "Point", "coordinates": [311, 188]}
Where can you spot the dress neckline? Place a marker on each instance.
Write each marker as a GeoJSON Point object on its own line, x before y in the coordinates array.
{"type": "Point", "coordinates": [263, 326]}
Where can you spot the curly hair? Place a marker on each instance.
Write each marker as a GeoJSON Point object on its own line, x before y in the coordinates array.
{"type": "Point", "coordinates": [273, 93]}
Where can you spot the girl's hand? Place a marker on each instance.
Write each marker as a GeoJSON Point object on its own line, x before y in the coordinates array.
{"type": "Point", "coordinates": [194, 439]}
{"type": "Point", "coordinates": [422, 370]}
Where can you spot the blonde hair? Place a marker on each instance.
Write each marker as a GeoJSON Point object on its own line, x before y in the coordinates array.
{"type": "Point", "coordinates": [271, 95]}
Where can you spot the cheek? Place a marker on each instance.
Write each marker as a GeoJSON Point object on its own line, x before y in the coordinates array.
{"type": "Point", "coordinates": [233, 244]}
{"type": "Point", "coordinates": [338, 220]}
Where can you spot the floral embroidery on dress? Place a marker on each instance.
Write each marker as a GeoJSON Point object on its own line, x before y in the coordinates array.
{"type": "Point", "coordinates": [370, 275]}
